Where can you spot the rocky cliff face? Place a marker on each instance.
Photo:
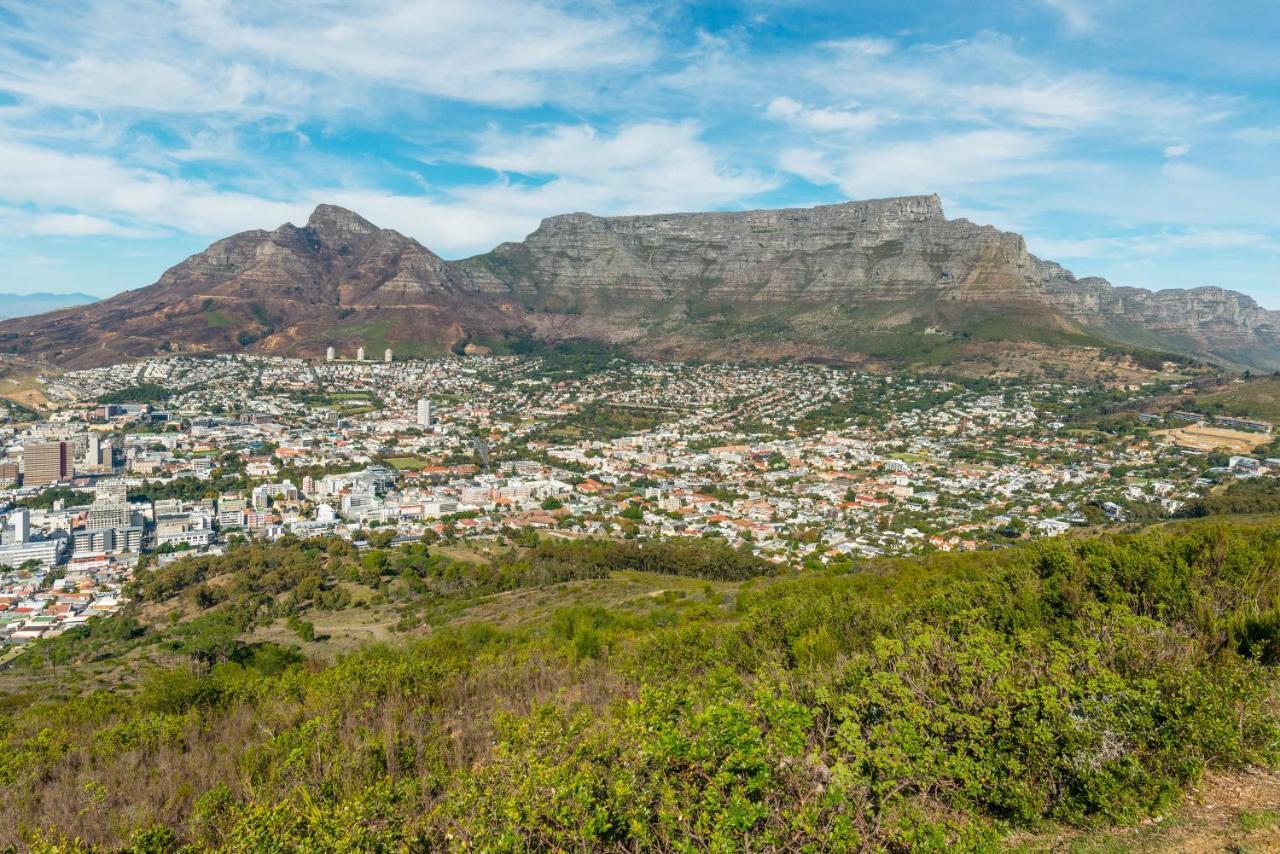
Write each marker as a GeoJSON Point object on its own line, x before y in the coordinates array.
{"type": "Point", "coordinates": [1226, 325]}
{"type": "Point", "coordinates": [792, 280]}
{"type": "Point", "coordinates": [875, 255]}
{"type": "Point", "coordinates": [338, 279]}
{"type": "Point", "coordinates": [338, 257]}
{"type": "Point", "coordinates": [882, 250]}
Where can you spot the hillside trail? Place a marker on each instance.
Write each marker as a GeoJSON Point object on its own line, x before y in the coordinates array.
{"type": "Point", "coordinates": [1237, 813]}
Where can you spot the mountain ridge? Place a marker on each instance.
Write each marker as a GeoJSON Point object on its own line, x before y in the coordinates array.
{"type": "Point", "coordinates": [39, 302]}
{"type": "Point", "coordinates": [806, 282]}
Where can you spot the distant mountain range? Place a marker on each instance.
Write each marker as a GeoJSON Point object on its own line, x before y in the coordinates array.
{"type": "Point", "coordinates": [890, 278]}
{"type": "Point", "coordinates": [24, 305]}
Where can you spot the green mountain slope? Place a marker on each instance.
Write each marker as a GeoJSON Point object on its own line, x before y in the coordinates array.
{"type": "Point", "coordinates": [615, 696]}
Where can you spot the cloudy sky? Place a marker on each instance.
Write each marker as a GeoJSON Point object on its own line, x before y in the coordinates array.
{"type": "Point", "coordinates": [1130, 139]}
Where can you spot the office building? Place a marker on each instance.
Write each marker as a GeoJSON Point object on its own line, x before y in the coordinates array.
{"type": "Point", "coordinates": [109, 514]}
{"type": "Point", "coordinates": [355, 503]}
{"type": "Point", "coordinates": [98, 454]}
{"type": "Point", "coordinates": [184, 529]}
{"type": "Point", "coordinates": [424, 412]}
{"type": "Point", "coordinates": [111, 490]}
{"type": "Point", "coordinates": [17, 529]}
{"type": "Point", "coordinates": [109, 540]}
{"type": "Point", "coordinates": [231, 511]}
{"type": "Point", "coordinates": [45, 463]}
{"type": "Point", "coordinates": [45, 552]}
{"type": "Point", "coordinates": [193, 538]}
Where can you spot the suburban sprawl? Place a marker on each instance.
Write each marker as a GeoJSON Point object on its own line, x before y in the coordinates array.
{"type": "Point", "coordinates": [140, 465]}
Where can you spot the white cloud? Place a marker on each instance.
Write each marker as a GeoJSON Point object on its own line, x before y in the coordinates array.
{"type": "Point", "coordinates": [1258, 135]}
{"type": "Point", "coordinates": [823, 120]}
{"type": "Point", "coordinates": [102, 188]}
{"type": "Point", "coordinates": [18, 222]}
{"type": "Point", "coordinates": [648, 166]}
{"type": "Point", "coordinates": [864, 47]}
{"type": "Point", "coordinates": [937, 164]}
{"type": "Point", "coordinates": [1073, 101]}
{"type": "Point", "coordinates": [1177, 150]}
{"type": "Point", "coordinates": [985, 80]}
{"type": "Point", "coordinates": [80, 225]}
{"type": "Point", "coordinates": [1152, 243]}
{"type": "Point", "coordinates": [136, 83]}
{"type": "Point", "coordinates": [809, 164]}
{"type": "Point", "coordinates": [488, 51]}
{"type": "Point", "coordinates": [643, 168]}
{"type": "Point", "coordinates": [194, 56]}
{"type": "Point", "coordinates": [1077, 16]}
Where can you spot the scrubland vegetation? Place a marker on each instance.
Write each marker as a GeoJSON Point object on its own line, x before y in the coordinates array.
{"type": "Point", "coordinates": [939, 703]}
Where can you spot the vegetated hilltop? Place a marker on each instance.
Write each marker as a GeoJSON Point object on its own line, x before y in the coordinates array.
{"type": "Point", "coordinates": [887, 279]}
{"type": "Point", "coordinates": [1255, 397]}
{"type": "Point", "coordinates": [561, 697]}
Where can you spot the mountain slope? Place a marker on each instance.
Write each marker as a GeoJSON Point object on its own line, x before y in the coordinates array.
{"type": "Point", "coordinates": [938, 702]}
{"type": "Point", "coordinates": [338, 279]}
{"type": "Point", "coordinates": [886, 277]}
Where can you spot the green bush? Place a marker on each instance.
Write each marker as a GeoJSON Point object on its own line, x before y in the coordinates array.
{"type": "Point", "coordinates": [912, 705]}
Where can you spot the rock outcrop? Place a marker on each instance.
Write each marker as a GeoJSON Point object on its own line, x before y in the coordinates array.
{"type": "Point", "coordinates": [882, 250]}
{"type": "Point", "coordinates": [792, 280]}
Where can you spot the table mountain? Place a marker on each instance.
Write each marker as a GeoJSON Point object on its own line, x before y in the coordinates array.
{"type": "Point", "coordinates": [891, 277]}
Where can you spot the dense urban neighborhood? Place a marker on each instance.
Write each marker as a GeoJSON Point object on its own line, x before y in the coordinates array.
{"type": "Point", "coordinates": [146, 463]}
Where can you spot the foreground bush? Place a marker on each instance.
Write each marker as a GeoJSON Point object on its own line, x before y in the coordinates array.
{"type": "Point", "coordinates": [934, 704]}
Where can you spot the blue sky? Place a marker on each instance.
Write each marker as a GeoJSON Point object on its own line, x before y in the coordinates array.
{"type": "Point", "coordinates": [1133, 140]}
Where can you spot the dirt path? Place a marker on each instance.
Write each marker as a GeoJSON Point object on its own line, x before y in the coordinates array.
{"type": "Point", "coordinates": [1225, 813]}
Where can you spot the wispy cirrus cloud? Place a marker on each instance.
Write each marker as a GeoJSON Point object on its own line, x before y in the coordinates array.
{"type": "Point", "coordinates": [942, 162]}
{"type": "Point", "coordinates": [26, 223]}
{"type": "Point", "coordinates": [1156, 243]}
{"type": "Point", "coordinates": [503, 52]}
{"type": "Point", "coordinates": [149, 84]}
{"type": "Point", "coordinates": [649, 165]}
{"type": "Point", "coordinates": [220, 55]}
{"type": "Point", "coordinates": [985, 79]}
{"type": "Point", "coordinates": [823, 119]}
{"type": "Point", "coordinates": [1077, 15]}
{"type": "Point", "coordinates": [464, 123]}
{"type": "Point", "coordinates": [644, 168]}
{"type": "Point", "coordinates": [640, 168]}
{"type": "Point", "coordinates": [56, 186]}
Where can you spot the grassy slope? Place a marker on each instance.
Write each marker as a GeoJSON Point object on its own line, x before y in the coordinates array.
{"type": "Point", "coordinates": [1255, 398]}
{"type": "Point", "coordinates": [666, 631]}
{"type": "Point", "coordinates": [18, 383]}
